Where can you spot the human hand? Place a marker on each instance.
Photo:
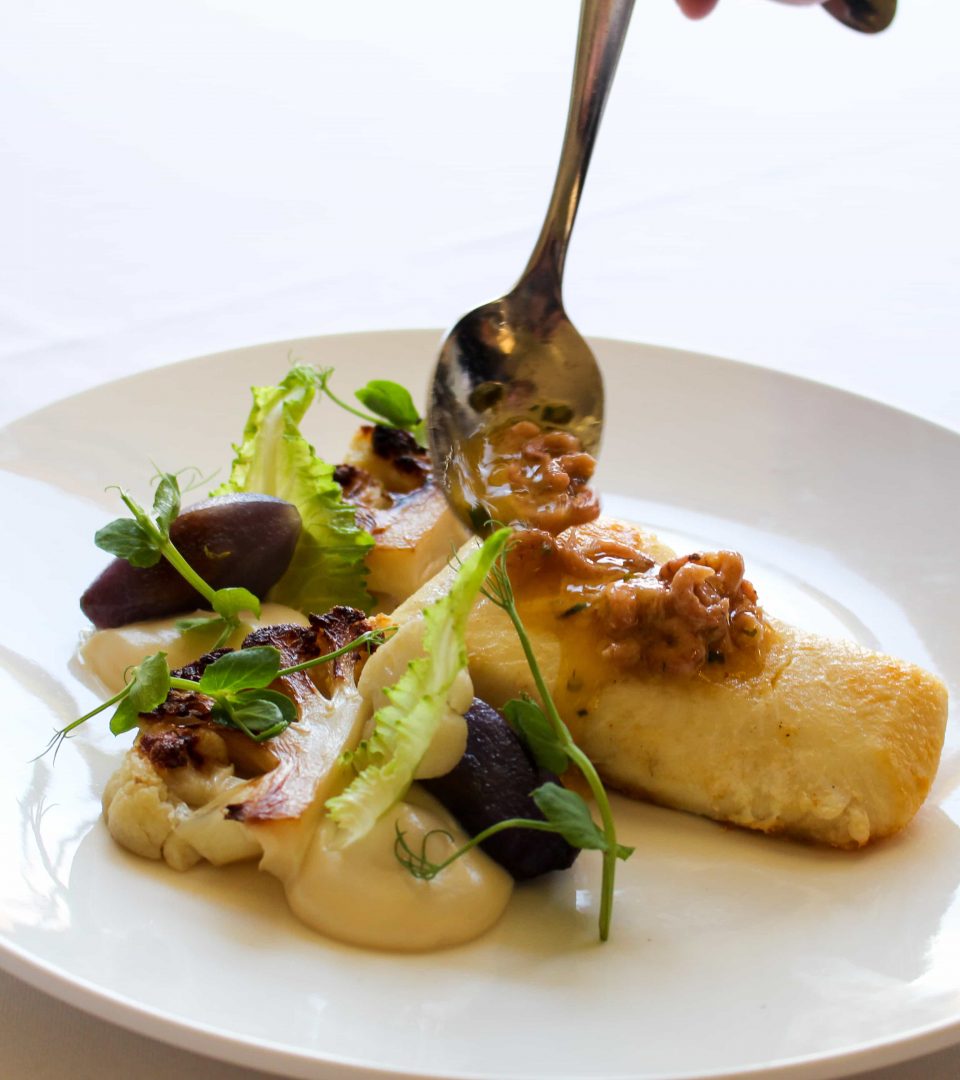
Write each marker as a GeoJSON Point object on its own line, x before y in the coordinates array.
{"type": "Point", "coordinates": [697, 9]}
{"type": "Point", "coordinates": [869, 16]}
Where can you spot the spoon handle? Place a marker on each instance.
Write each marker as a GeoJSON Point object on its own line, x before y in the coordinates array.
{"type": "Point", "coordinates": [603, 27]}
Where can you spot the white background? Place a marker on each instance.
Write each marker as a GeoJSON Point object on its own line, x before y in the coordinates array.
{"type": "Point", "coordinates": [184, 177]}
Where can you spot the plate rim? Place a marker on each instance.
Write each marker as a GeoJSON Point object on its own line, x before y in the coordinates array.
{"type": "Point", "coordinates": [251, 1051]}
{"type": "Point", "coordinates": [754, 367]}
{"type": "Point", "coordinates": [211, 1042]}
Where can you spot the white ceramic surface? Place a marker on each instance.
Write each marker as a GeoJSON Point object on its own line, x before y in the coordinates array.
{"type": "Point", "coordinates": [730, 953]}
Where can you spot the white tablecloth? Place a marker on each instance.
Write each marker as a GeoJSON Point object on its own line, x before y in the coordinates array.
{"type": "Point", "coordinates": [184, 177]}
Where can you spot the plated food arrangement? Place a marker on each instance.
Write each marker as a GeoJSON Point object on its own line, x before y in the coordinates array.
{"type": "Point", "coordinates": [847, 952]}
{"type": "Point", "coordinates": [410, 720]}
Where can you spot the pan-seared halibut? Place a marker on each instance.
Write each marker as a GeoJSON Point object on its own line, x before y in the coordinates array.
{"type": "Point", "coordinates": [684, 692]}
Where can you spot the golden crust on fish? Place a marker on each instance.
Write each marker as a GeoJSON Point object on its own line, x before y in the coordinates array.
{"type": "Point", "coordinates": [811, 737]}
{"type": "Point", "coordinates": [829, 742]}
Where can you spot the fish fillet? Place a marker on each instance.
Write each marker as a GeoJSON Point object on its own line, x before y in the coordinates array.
{"type": "Point", "coordinates": [824, 740]}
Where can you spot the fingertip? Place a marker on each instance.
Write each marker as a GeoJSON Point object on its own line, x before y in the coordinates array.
{"type": "Point", "coordinates": [697, 9]}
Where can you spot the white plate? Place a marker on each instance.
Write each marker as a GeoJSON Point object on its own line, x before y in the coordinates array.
{"type": "Point", "coordinates": [730, 952]}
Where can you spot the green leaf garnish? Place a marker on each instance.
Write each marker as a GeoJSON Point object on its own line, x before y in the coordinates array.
{"type": "Point", "coordinates": [537, 733]}
{"type": "Point", "coordinates": [422, 867]}
{"type": "Point", "coordinates": [393, 404]}
{"type": "Point", "coordinates": [147, 688]}
{"type": "Point", "coordinates": [199, 622]}
{"type": "Point", "coordinates": [166, 502]}
{"type": "Point", "coordinates": [128, 540]}
{"type": "Point", "coordinates": [550, 741]}
{"type": "Point", "coordinates": [239, 670]}
{"type": "Point", "coordinates": [144, 540]}
{"type": "Point", "coordinates": [231, 602]}
{"type": "Point", "coordinates": [237, 682]}
{"type": "Point", "coordinates": [248, 701]}
{"type": "Point", "coordinates": [262, 714]}
{"type": "Point", "coordinates": [329, 563]}
{"type": "Point", "coordinates": [389, 401]}
{"type": "Point", "coordinates": [404, 728]}
{"type": "Point", "coordinates": [567, 810]}
{"type": "Point", "coordinates": [257, 715]}
{"type": "Point", "coordinates": [570, 814]}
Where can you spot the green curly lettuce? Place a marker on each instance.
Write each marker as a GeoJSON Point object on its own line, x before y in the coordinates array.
{"type": "Point", "coordinates": [329, 563]}
{"type": "Point", "coordinates": [404, 728]}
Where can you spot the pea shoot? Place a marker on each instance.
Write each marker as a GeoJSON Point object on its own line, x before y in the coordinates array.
{"type": "Point", "coordinates": [549, 741]}
{"type": "Point", "coordinates": [391, 403]}
{"type": "Point", "coordinates": [144, 539]}
{"type": "Point", "coordinates": [238, 684]}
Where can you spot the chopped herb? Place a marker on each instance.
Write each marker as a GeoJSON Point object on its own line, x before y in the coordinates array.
{"type": "Point", "coordinates": [556, 413]}
{"type": "Point", "coordinates": [582, 606]}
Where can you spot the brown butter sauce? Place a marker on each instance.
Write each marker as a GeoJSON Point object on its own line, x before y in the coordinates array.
{"type": "Point", "coordinates": [617, 611]}
{"type": "Point", "coordinates": [531, 474]}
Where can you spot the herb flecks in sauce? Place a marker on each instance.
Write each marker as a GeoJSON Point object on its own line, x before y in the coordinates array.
{"type": "Point", "coordinates": [627, 610]}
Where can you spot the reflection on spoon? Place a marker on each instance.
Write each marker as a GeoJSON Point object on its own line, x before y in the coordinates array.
{"type": "Point", "coordinates": [520, 356]}
{"type": "Point", "coordinates": [522, 472]}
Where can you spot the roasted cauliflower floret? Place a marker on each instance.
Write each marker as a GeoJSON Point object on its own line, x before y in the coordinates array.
{"type": "Point", "coordinates": [151, 802]}
{"type": "Point", "coordinates": [139, 809]}
{"type": "Point", "coordinates": [189, 789]}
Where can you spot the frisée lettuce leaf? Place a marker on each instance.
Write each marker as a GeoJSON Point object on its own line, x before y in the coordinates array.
{"type": "Point", "coordinates": [328, 565]}
{"type": "Point", "coordinates": [404, 728]}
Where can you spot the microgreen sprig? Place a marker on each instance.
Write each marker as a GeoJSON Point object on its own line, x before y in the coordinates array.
{"type": "Point", "coordinates": [147, 687]}
{"type": "Point", "coordinates": [238, 682]}
{"type": "Point", "coordinates": [565, 812]}
{"type": "Point", "coordinates": [551, 744]}
{"type": "Point", "coordinates": [144, 539]}
{"type": "Point", "coordinates": [391, 403]}
{"type": "Point", "coordinates": [549, 741]}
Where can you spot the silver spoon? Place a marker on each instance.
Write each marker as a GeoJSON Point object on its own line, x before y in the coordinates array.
{"type": "Point", "coordinates": [520, 356]}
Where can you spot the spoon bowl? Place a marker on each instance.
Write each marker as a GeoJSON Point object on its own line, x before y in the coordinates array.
{"type": "Point", "coordinates": [510, 360]}
{"type": "Point", "coordinates": [504, 362]}
{"type": "Point", "coordinates": [520, 357]}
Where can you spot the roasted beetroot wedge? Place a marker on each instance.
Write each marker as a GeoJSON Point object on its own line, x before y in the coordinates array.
{"type": "Point", "coordinates": [233, 540]}
{"type": "Point", "coordinates": [492, 783]}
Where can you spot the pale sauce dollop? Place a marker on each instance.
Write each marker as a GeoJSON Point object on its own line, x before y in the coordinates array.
{"type": "Point", "coordinates": [363, 895]}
